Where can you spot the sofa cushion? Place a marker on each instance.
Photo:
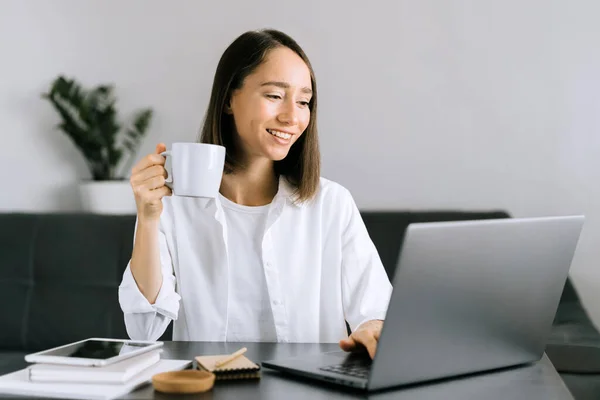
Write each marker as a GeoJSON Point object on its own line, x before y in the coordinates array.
{"type": "Point", "coordinates": [11, 361]}
{"type": "Point", "coordinates": [16, 276]}
{"type": "Point", "coordinates": [60, 273]}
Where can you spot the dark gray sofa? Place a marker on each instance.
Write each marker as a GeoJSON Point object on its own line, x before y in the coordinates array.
{"type": "Point", "coordinates": [59, 275]}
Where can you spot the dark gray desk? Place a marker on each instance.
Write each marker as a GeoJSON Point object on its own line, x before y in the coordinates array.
{"type": "Point", "coordinates": [537, 381]}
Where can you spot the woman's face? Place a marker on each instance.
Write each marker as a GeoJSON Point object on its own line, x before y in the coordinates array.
{"type": "Point", "coordinates": [270, 110]}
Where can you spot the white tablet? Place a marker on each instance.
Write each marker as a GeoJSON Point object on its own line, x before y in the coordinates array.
{"type": "Point", "coordinates": [93, 352]}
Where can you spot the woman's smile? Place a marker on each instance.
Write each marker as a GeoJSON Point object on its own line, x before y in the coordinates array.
{"type": "Point", "coordinates": [280, 137]}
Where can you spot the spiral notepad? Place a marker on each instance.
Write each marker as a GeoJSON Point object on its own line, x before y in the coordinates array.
{"type": "Point", "coordinates": [239, 368]}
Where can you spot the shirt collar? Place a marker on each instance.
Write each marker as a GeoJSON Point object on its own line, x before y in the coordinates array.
{"type": "Point", "coordinates": [288, 192]}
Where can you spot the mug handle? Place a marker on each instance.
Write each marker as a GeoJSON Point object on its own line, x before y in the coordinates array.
{"type": "Point", "coordinates": [169, 180]}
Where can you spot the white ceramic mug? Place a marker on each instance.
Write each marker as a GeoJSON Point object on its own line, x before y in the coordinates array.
{"type": "Point", "coordinates": [196, 169]}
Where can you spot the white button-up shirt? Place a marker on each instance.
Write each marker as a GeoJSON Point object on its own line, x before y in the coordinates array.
{"type": "Point", "coordinates": [320, 265]}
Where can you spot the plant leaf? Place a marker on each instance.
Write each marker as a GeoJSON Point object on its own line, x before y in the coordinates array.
{"type": "Point", "coordinates": [89, 119]}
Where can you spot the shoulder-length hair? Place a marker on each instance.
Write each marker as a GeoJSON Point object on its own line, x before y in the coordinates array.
{"type": "Point", "coordinates": [301, 167]}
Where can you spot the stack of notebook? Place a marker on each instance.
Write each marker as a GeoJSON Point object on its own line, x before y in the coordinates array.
{"type": "Point", "coordinates": [79, 382]}
{"type": "Point", "coordinates": [117, 373]}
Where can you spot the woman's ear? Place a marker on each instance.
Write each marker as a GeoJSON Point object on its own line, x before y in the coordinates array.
{"type": "Point", "coordinates": [227, 107]}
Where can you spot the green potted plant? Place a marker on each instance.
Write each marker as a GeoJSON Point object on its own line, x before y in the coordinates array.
{"type": "Point", "coordinates": [89, 119]}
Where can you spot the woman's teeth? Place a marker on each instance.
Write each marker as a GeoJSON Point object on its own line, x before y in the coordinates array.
{"type": "Point", "coordinates": [282, 135]}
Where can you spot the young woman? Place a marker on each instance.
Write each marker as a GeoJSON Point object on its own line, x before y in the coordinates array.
{"type": "Point", "coordinates": [282, 254]}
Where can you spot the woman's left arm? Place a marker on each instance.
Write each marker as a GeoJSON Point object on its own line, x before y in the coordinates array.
{"type": "Point", "coordinates": [366, 289]}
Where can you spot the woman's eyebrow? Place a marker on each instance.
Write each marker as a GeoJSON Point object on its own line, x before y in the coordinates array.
{"type": "Point", "coordinates": [285, 85]}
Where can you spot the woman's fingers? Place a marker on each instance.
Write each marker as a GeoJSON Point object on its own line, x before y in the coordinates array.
{"type": "Point", "coordinates": [160, 148]}
{"type": "Point", "coordinates": [148, 178]}
{"type": "Point", "coordinates": [148, 161]}
{"type": "Point", "coordinates": [348, 344]}
{"type": "Point", "coordinates": [366, 337]}
{"type": "Point", "coordinates": [142, 187]}
{"type": "Point", "coordinates": [160, 192]}
{"type": "Point", "coordinates": [154, 183]}
{"type": "Point", "coordinates": [150, 172]}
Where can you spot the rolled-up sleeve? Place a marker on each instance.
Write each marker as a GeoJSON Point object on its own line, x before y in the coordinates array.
{"type": "Point", "coordinates": [145, 321]}
{"type": "Point", "coordinates": [366, 289]}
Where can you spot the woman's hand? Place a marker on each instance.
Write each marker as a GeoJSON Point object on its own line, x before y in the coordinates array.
{"type": "Point", "coordinates": [148, 184]}
{"type": "Point", "coordinates": [365, 337]}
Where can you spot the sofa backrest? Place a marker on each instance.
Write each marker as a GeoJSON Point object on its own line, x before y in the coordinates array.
{"type": "Point", "coordinates": [59, 273]}
{"type": "Point", "coordinates": [387, 228]}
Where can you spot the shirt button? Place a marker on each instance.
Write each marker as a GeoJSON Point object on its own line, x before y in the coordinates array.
{"type": "Point", "coordinates": [276, 302]}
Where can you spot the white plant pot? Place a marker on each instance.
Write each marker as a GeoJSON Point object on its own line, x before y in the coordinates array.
{"type": "Point", "coordinates": [107, 197]}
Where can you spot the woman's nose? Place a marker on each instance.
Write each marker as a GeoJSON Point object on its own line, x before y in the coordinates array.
{"type": "Point", "coordinates": [288, 114]}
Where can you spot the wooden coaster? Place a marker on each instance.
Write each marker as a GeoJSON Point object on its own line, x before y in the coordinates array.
{"type": "Point", "coordinates": [187, 381]}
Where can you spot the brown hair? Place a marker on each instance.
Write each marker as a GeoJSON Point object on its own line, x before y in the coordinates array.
{"type": "Point", "coordinates": [302, 166]}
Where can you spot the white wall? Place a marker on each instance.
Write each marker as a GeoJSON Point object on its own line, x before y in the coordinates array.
{"type": "Point", "coordinates": [423, 104]}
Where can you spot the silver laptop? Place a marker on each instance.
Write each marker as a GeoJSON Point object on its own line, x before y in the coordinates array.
{"type": "Point", "coordinates": [468, 297]}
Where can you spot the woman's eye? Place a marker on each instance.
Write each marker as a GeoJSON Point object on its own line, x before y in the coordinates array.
{"type": "Point", "coordinates": [274, 96]}
{"type": "Point", "coordinates": [303, 103]}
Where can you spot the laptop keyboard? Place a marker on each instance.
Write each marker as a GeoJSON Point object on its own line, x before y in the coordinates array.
{"type": "Point", "coordinates": [358, 370]}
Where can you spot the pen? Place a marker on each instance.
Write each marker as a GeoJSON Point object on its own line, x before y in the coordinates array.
{"type": "Point", "coordinates": [230, 357]}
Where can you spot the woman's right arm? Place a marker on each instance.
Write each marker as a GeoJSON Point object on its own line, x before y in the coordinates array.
{"type": "Point", "coordinates": [145, 259]}
{"type": "Point", "coordinates": [147, 293]}
{"type": "Point", "coordinates": [144, 319]}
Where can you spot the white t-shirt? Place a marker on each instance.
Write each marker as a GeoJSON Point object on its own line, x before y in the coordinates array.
{"type": "Point", "coordinates": [250, 318]}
